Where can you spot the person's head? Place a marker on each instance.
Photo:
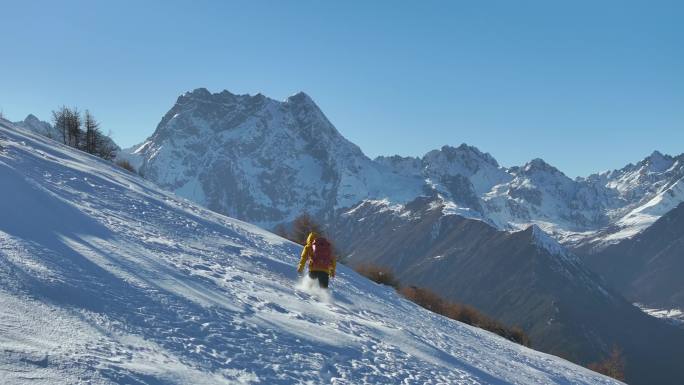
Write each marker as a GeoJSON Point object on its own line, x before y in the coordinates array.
{"type": "Point", "coordinates": [311, 237]}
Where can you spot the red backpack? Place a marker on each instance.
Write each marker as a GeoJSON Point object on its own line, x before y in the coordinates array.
{"type": "Point", "coordinates": [322, 254]}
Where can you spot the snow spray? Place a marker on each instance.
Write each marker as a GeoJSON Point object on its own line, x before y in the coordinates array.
{"type": "Point", "coordinates": [310, 286]}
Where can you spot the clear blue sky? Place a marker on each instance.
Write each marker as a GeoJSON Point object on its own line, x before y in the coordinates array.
{"type": "Point", "coordinates": [586, 85]}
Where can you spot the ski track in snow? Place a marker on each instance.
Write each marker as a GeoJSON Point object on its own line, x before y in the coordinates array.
{"type": "Point", "coordinates": [106, 279]}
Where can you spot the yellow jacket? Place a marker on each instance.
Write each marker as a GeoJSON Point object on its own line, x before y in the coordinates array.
{"type": "Point", "coordinates": [307, 253]}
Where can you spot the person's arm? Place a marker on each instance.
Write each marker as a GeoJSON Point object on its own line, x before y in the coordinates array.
{"type": "Point", "coordinates": [304, 258]}
{"type": "Point", "coordinates": [332, 268]}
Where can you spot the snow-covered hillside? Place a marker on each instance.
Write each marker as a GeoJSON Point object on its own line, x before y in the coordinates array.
{"type": "Point", "coordinates": [267, 161]}
{"type": "Point", "coordinates": [104, 278]}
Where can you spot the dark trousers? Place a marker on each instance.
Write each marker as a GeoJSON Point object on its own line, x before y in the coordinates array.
{"type": "Point", "coordinates": [321, 276]}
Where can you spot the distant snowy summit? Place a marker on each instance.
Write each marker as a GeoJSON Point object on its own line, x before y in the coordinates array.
{"type": "Point", "coordinates": [33, 124]}
{"type": "Point", "coordinates": [261, 160]}
{"type": "Point", "coordinates": [267, 161]}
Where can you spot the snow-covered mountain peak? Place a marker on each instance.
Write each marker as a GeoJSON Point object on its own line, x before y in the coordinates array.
{"type": "Point", "coordinates": [633, 197]}
{"type": "Point", "coordinates": [469, 157]}
{"type": "Point", "coordinates": [34, 124]}
{"type": "Point", "coordinates": [657, 162]}
{"type": "Point", "coordinates": [198, 93]}
{"type": "Point", "coordinates": [539, 177]}
{"type": "Point", "coordinates": [312, 121]}
{"type": "Point", "coordinates": [262, 160]}
{"type": "Point", "coordinates": [225, 97]}
{"type": "Point", "coordinates": [637, 182]}
{"type": "Point", "coordinates": [33, 121]}
{"type": "Point", "coordinates": [657, 154]}
{"type": "Point", "coordinates": [30, 118]}
{"type": "Point", "coordinates": [300, 97]}
{"type": "Point", "coordinates": [543, 179]}
{"type": "Point", "coordinates": [396, 159]}
{"type": "Point", "coordinates": [463, 173]}
{"type": "Point", "coordinates": [540, 166]}
{"type": "Point", "coordinates": [224, 110]}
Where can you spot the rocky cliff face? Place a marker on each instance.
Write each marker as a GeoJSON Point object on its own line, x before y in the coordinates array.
{"type": "Point", "coordinates": [261, 160]}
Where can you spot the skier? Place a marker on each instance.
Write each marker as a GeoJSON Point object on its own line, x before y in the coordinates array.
{"type": "Point", "coordinates": [318, 252]}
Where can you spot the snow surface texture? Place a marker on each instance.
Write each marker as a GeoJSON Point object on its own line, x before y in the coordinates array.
{"type": "Point", "coordinates": [267, 161]}
{"type": "Point", "coordinates": [104, 278]}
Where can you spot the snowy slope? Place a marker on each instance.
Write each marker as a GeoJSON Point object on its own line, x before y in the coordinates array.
{"type": "Point", "coordinates": [104, 279]}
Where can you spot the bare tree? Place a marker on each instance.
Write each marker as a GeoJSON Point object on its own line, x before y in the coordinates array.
{"type": "Point", "coordinates": [104, 146]}
{"type": "Point", "coordinates": [59, 121]}
{"type": "Point", "coordinates": [302, 226]}
{"type": "Point", "coordinates": [74, 127]}
{"type": "Point", "coordinates": [92, 131]}
{"type": "Point", "coordinates": [281, 230]}
{"type": "Point", "coordinates": [68, 122]}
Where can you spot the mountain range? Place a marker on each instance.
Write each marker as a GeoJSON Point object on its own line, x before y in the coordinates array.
{"type": "Point", "coordinates": [267, 161]}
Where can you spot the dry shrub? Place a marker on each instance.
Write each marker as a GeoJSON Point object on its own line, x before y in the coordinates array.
{"type": "Point", "coordinates": [425, 298]}
{"type": "Point", "coordinates": [378, 274]}
{"type": "Point", "coordinates": [433, 302]}
{"type": "Point", "coordinates": [463, 313]}
{"type": "Point", "coordinates": [517, 334]}
{"type": "Point", "coordinates": [611, 366]}
{"type": "Point", "coordinates": [126, 165]}
{"type": "Point", "coordinates": [302, 226]}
